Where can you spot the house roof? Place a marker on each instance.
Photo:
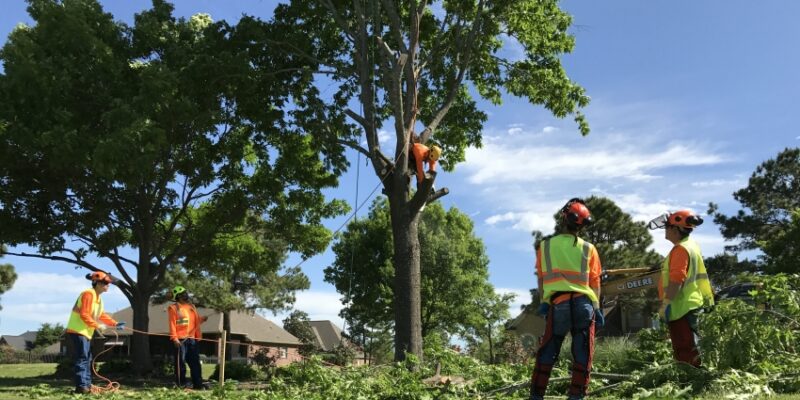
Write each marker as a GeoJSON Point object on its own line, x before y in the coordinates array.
{"type": "Point", "coordinates": [527, 323]}
{"type": "Point", "coordinates": [22, 342]}
{"type": "Point", "coordinates": [327, 335]}
{"type": "Point", "coordinates": [253, 326]}
{"type": "Point", "coordinates": [19, 342]}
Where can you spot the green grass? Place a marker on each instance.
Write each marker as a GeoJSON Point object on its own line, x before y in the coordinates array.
{"type": "Point", "coordinates": [26, 370]}
{"type": "Point", "coordinates": [19, 381]}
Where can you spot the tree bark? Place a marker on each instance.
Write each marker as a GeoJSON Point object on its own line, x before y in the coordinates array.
{"type": "Point", "coordinates": [407, 299]}
{"type": "Point", "coordinates": [140, 344]}
{"type": "Point", "coordinates": [491, 345]}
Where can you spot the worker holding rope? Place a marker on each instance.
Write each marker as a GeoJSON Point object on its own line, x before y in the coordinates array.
{"type": "Point", "coordinates": [185, 333]}
{"type": "Point", "coordinates": [86, 317]}
{"type": "Point", "coordinates": [568, 270]}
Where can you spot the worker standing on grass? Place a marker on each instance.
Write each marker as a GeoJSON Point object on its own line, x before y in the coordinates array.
{"type": "Point", "coordinates": [184, 331]}
{"type": "Point", "coordinates": [568, 270]}
{"type": "Point", "coordinates": [87, 316]}
{"type": "Point", "coordinates": [684, 288]}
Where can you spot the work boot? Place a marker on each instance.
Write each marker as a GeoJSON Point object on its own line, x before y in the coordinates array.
{"type": "Point", "coordinates": [83, 390]}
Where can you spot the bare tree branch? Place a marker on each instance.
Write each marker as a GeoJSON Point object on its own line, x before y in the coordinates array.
{"type": "Point", "coordinates": [421, 196]}
{"type": "Point", "coordinates": [396, 25]}
{"type": "Point", "coordinates": [124, 286]}
{"type": "Point", "coordinates": [355, 146]}
{"type": "Point", "coordinates": [467, 46]}
{"type": "Point", "coordinates": [358, 118]}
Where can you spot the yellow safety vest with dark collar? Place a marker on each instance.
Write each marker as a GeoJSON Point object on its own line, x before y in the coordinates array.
{"type": "Point", "coordinates": [75, 323]}
{"type": "Point", "coordinates": [565, 266]}
{"type": "Point", "coordinates": [695, 292]}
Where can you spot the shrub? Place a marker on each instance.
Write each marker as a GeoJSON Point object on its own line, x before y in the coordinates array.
{"type": "Point", "coordinates": [65, 369]}
{"type": "Point", "coordinates": [265, 362]}
{"type": "Point", "coordinates": [116, 366]}
{"type": "Point", "coordinates": [238, 371]}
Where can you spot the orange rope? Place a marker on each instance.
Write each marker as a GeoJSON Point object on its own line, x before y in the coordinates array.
{"type": "Point", "coordinates": [111, 386]}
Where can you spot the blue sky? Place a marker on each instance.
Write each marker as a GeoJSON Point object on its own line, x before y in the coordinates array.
{"type": "Point", "coordinates": [687, 99]}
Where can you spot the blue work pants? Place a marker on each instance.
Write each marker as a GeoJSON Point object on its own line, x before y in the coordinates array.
{"type": "Point", "coordinates": [188, 353]}
{"type": "Point", "coordinates": [82, 360]}
{"type": "Point", "coordinates": [574, 316]}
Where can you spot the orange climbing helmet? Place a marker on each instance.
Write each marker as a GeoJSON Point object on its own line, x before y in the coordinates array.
{"type": "Point", "coordinates": [100, 276]}
{"type": "Point", "coordinates": [684, 219]}
{"type": "Point", "coordinates": [576, 213]}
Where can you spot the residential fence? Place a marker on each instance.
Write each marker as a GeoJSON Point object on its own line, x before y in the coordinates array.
{"type": "Point", "coordinates": [10, 356]}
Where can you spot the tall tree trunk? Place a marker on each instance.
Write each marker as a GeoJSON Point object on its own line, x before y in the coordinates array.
{"type": "Point", "coordinates": [226, 326]}
{"type": "Point", "coordinates": [407, 300]}
{"type": "Point", "coordinates": [140, 345]}
{"type": "Point", "coordinates": [491, 345]}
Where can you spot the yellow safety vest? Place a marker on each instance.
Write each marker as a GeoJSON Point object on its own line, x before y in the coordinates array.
{"type": "Point", "coordinates": [695, 292]}
{"type": "Point", "coordinates": [76, 324]}
{"type": "Point", "coordinates": [565, 266]}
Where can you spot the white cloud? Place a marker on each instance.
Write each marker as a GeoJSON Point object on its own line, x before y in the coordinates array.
{"type": "Point", "coordinates": [514, 131]}
{"type": "Point", "coordinates": [718, 183]}
{"type": "Point", "coordinates": [383, 136]}
{"type": "Point", "coordinates": [523, 296]}
{"type": "Point", "coordinates": [525, 220]}
{"type": "Point", "coordinates": [549, 129]}
{"type": "Point", "coordinates": [39, 297]}
{"type": "Point", "coordinates": [505, 161]}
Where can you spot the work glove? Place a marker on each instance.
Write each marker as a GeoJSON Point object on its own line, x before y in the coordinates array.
{"type": "Point", "coordinates": [177, 343]}
{"type": "Point", "coordinates": [599, 318]}
{"type": "Point", "coordinates": [544, 309]}
{"type": "Point", "coordinates": [120, 326]}
{"type": "Point", "coordinates": [101, 327]}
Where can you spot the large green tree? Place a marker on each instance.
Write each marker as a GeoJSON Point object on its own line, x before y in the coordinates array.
{"type": "Point", "coordinates": [7, 275]}
{"type": "Point", "coordinates": [298, 324]}
{"type": "Point", "coordinates": [769, 218]}
{"type": "Point", "coordinates": [114, 133]}
{"type": "Point", "coordinates": [244, 270]}
{"type": "Point", "coordinates": [419, 67]}
{"type": "Point", "coordinates": [725, 269]}
{"type": "Point", "coordinates": [485, 328]}
{"type": "Point", "coordinates": [48, 334]}
{"type": "Point", "coordinates": [454, 270]}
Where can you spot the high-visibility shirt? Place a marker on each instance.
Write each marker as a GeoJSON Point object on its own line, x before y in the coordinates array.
{"type": "Point", "coordinates": [568, 264]}
{"type": "Point", "coordinates": [87, 310]}
{"type": "Point", "coordinates": [678, 268]}
{"type": "Point", "coordinates": [420, 151]}
{"type": "Point", "coordinates": [695, 292]}
{"type": "Point", "coordinates": [184, 322]}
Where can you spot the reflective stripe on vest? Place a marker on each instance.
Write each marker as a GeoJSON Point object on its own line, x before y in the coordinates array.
{"type": "Point", "coordinates": [75, 323]}
{"type": "Point", "coordinates": [566, 266]}
{"type": "Point", "coordinates": [695, 291]}
{"type": "Point", "coordinates": [182, 318]}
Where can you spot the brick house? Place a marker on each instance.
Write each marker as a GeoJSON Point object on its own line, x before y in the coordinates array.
{"type": "Point", "coordinates": [249, 333]}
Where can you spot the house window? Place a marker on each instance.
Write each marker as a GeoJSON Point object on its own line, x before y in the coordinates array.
{"type": "Point", "coordinates": [284, 352]}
